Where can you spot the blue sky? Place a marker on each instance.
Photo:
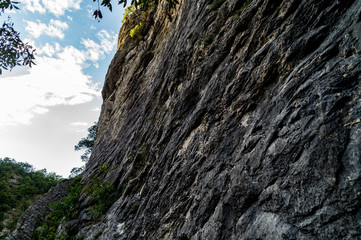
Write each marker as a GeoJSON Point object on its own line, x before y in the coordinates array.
{"type": "Point", "coordinates": [45, 110]}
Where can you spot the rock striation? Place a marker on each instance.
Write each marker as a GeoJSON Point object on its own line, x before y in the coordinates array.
{"type": "Point", "coordinates": [233, 119]}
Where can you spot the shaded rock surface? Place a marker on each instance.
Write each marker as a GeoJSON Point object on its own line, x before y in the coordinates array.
{"type": "Point", "coordinates": [27, 222]}
{"type": "Point", "coordinates": [234, 121]}
{"type": "Point", "coordinates": [240, 121]}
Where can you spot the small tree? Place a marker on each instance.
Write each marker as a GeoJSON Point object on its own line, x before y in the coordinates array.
{"type": "Point", "coordinates": [87, 143]}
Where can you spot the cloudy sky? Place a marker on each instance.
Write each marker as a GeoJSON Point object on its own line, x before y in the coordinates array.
{"type": "Point", "coordinates": [45, 110]}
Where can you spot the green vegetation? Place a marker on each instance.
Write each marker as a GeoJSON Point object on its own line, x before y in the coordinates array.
{"type": "Point", "coordinates": [135, 4]}
{"type": "Point", "coordinates": [216, 4]}
{"type": "Point", "coordinates": [143, 4]}
{"type": "Point", "coordinates": [136, 205]}
{"type": "Point", "coordinates": [127, 12]}
{"type": "Point", "coordinates": [60, 212]}
{"type": "Point", "coordinates": [208, 40]}
{"type": "Point", "coordinates": [137, 31]}
{"type": "Point", "coordinates": [97, 234]}
{"type": "Point", "coordinates": [243, 8]}
{"type": "Point", "coordinates": [87, 143]}
{"type": "Point", "coordinates": [245, 5]}
{"type": "Point", "coordinates": [76, 171]}
{"type": "Point", "coordinates": [142, 151]}
{"type": "Point", "coordinates": [13, 51]}
{"type": "Point", "coordinates": [132, 155]}
{"type": "Point", "coordinates": [104, 168]}
{"type": "Point", "coordinates": [101, 194]}
{"type": "Point", "coordinates": [20, 185]}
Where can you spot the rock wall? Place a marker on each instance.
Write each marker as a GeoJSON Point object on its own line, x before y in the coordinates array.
{"type": "Point", "coordinates": [233, 119]}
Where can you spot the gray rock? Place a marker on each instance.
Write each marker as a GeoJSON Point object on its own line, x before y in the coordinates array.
{"type": "Point", "coordinates": [240, 122]}
{"type": "Point", "coordinates": [254, 135]}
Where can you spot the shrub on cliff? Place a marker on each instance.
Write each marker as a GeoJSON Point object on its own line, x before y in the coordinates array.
{"type": "Point", "coordinates": [136, 31]}
{"type": "Point", "coordinates": [136, 4]}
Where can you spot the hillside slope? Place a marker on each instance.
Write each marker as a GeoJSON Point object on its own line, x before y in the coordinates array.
{"type": "Point", "coordinates": [232, 120]}
{"type": "Point", "coordinates": [20, 186]}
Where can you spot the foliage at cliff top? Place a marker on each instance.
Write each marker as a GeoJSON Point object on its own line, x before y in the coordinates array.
{"type": "Point", "coordinates": [13, 51]}
{"type": "Point", "coordinates": [20, 184]}
{"type": "Point", "coordinates": [137, 3]}
{"type": "Point", "coordinates": [142, 4]}
{"type": "Point", "coordinates": [127, 12]}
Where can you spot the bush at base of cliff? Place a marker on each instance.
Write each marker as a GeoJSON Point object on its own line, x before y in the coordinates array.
{"type": "Point", "coordinates": [102, 194]}
{"type": "Point", "coordinates": [20, 185]}
{"type": "Point", "coordinates": [60, 213]}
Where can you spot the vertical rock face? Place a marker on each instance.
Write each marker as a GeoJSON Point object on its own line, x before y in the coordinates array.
{"type": "Point", "coordinates": [234, 120]}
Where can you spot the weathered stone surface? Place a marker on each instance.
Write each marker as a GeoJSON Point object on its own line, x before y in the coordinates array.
{"type": "Point", "coordinates": [236, 122]}
{"type": "Point", "coordinates": [254, 133]}
{"type": "Point", "coordinates": [27, 221]}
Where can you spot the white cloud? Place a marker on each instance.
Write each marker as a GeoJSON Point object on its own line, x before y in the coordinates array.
{"type": "Point", "coordinates": [93, 49]}
{"type": "Point", "coordinates": [70, 52]}
{"type": "Point", "coordinates": [96, 51]}
{"type": "Point", "coordinates": [34, 6]}
{"type": "Point", "coordinates": [56, 7]}
{"type": "Point", "coordinates": [90, 10]}
{"type": "Point", "coordinates": [48, 49]}
{"type": "Point", "coordinates": [79, 124]}
{"type": "Point", "coordinates": [53, 81]}
{"type": "Point", "coordinates": [8, 11]}
{"type": "Point", "coordinates": [57, 79]}
{"type": "Point", "coordinates": [107, 41]}
{"type": "Point", "coordinates": [35, 29]}
{"type": "Point", "coordinates": [40, 110]}
{"type": "Point", "coordinates": [55, 28]}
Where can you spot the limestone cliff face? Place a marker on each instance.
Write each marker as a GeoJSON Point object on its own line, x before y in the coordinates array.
{"type": "Point", "coordinates": [236, 120]}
